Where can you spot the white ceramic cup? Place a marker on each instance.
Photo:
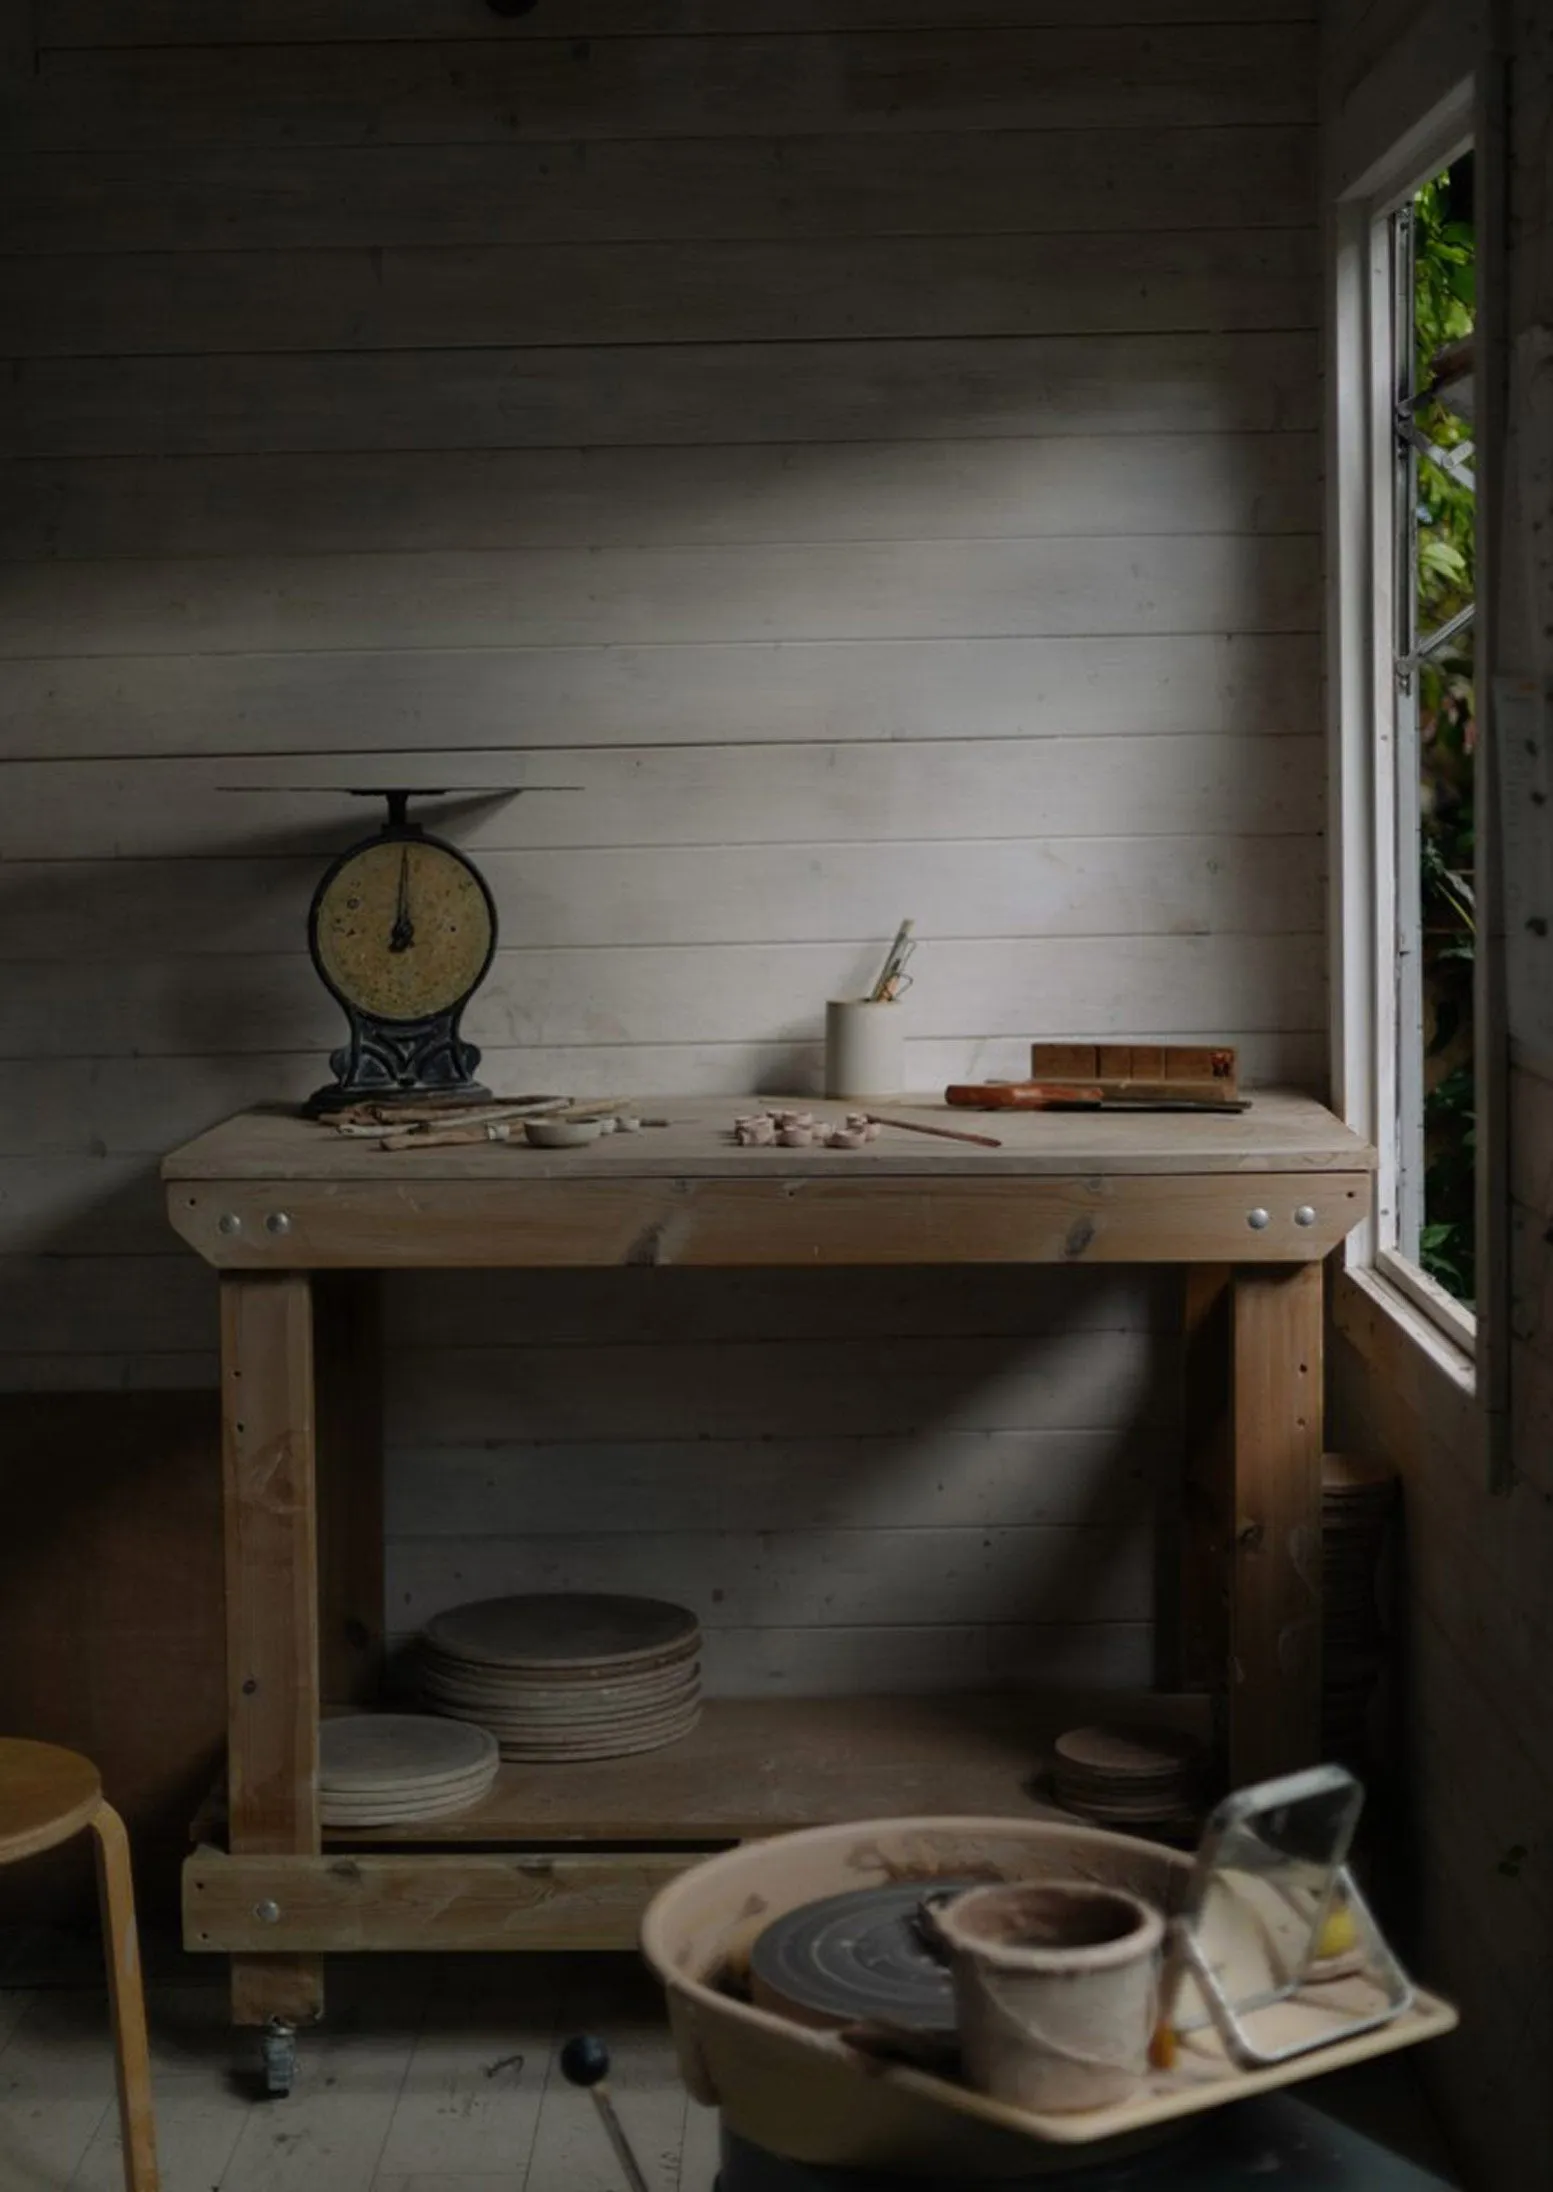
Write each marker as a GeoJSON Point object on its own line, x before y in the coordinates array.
{"type": "Point", "coordinates": [865, 1048]}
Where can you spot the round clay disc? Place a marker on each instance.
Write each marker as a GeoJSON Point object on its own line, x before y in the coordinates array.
{"type": "Point", "coordinates": [370, 1753]}
{"type": "Point", "coordinates": [549, 1630]}
{"type": "Point", "coordinates": [1127, 1754]}
{"type": "Point", "coordinates": [861, 1955]}
{"type": "Point", "coordinates": [558, 1695]}
{"type": "Point", "coordinates": [385, 1814]}
{"type": "Point", "coordinates": [619, 1746]}
{"type": "Point", "coordinates": [567, 1712]}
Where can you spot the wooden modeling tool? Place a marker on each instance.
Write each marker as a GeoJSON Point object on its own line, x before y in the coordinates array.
{"type": "Point", "coordinates": [585, 2063]}
{"type": "Point", "coordinates": [944, 1133]}
{"type": "Point", "coordinates": [494, 1125]}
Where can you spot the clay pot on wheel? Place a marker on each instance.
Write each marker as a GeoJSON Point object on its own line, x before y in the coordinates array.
{"type": "Point", "coordinates": [1056, 1988]}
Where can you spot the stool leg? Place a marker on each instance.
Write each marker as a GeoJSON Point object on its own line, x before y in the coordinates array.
{"type": "Point", "coordinates": [126, 2001]}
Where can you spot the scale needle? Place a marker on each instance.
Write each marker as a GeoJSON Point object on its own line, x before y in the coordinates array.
{"type": "Point", "coordinates": [402, 935]}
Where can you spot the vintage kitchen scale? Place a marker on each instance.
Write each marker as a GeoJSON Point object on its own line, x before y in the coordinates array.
{"type": "Point", "coordinates": [402, 931]}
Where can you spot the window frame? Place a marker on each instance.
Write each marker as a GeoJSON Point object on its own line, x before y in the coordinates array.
{"type": "Point", "coordinates": [1374, 892]}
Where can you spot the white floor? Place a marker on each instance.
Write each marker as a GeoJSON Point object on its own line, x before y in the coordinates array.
{"type": "Point", "coordinates": [429, 2075]}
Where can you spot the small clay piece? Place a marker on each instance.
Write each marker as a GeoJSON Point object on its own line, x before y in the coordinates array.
{"type": "Point", "coordinates": [562, 1133]}
{"type": "Point", "coordinates": [871, 1131]}
{"type": "Point", "coordinates": [845, 1137]}
{"type": "Point", "coordinates": [795, 1137]}
{"type": "Point", "coordinates": [626, 1122]}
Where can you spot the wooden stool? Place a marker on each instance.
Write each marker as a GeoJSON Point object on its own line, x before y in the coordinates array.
{"type": "Point", "coordinates": [46, 1796]}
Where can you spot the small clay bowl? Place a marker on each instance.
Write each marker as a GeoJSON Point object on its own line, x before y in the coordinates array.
{"type": "Point", "coordinates": [562, 1133]}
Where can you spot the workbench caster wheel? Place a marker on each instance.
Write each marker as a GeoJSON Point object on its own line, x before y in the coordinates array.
{"type": "Point", "coordinates": [279, 2049]}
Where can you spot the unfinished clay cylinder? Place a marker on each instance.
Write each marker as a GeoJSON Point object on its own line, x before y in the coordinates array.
{"type": "Point", "coordinates": [1056, 1990]}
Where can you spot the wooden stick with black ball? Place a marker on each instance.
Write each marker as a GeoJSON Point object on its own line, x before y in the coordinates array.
{"type": "Point", "coordinates": [585, 2063]}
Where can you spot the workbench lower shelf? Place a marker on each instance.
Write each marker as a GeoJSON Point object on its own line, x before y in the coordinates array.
{"type": "Point", "coordinates": [568, 1857]}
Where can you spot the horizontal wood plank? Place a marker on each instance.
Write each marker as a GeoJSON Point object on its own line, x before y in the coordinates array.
{"type": "Point", "coordinates": [1198, 985]}
{"type": "Point", "coordinates": [567, 88]}
{"type": "Point", "coordinates": [890, 288]}
{"type": "Point", "coordinates": [78, 1109]}
{"type": "Point", "coordinates": [158, 1304]}
{"type": "Point", "coordinates": [80, 1204]}
{"type": "Point", "coordinates": [451, 196]}
{"type": "Point", "coordinates": [483, 1309]}
{"type": "Point", "coordinates": [1280, 1131]}
{"type": "Point", "coordinates": [309, 709]}
{"type": "Point", "coordinates": [1087, 887]}
{"type": "Point", "coordinates": [568, 498]}
{"type": "Point", "coordinates": [924, 1480]}
{"type": "Point", "coordinates": [192, 22]}
{"type": "Point", "coordinates": [166, 1303]}
{"type": "Point", "coordinates": [870, 792]}
{"type": "Point", "coordinates": [452, 1903]}
{"type": "Point", "coordinates": [861, 1577]}
{"type": "Point", "coordinates": [541, 1224]}
{"type": "Point", "coordinates": [890, 1661]}
{"type": "Point", "coordinates": [1002, 389]}
{"type": "Point", "coordinates": [864, 590]}
{"type": "Point", "coordinates": [762, 1765]}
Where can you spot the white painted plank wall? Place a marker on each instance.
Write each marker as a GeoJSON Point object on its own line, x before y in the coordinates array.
{"type": "Point", "coordinates": [867, 448]}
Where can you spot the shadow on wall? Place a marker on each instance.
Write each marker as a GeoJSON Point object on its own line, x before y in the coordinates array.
{"type": "Point", "coordinates": [111, 1627]}
{"type": "Point", "coordinates": [927, 1480]}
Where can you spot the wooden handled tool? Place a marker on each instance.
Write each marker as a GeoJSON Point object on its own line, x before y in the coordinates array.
{"type": "Point", "coordinates": [944, 1133]}
{"type": "Point", "coordinates": [1082, 1096]}
{"type": "Point", "coordinates": [585, 2063]}
{"type": "Point", "coordinates": [1022, 1096]}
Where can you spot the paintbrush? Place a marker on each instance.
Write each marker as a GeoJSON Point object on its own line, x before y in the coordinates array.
{"type": "Point", "coordinates": [884, 990]}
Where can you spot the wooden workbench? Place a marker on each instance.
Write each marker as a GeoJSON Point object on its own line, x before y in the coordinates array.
{"type": "Point", "coordinates": [1249, 1204]}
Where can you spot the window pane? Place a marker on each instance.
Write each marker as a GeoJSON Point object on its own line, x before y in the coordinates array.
{"type": "Point", "coordinates": [1436, 696]}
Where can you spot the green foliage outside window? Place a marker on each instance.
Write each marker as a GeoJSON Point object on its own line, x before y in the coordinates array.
{"type": "Point", "coordinates": [1444, 304]}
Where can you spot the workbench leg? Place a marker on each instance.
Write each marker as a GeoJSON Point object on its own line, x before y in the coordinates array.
{"type": "Point", "coordinates": [272, 1605]}
{"type": "Point", "coordinates": [1201, 1629]}
{"type": "Point", "coordinates": [1275, 1591]}
{"type": "Point", "coordinates": [347, 1342]}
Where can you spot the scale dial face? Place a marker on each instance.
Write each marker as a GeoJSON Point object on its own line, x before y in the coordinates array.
{"type": "Point", "coordinates": [402, 928]}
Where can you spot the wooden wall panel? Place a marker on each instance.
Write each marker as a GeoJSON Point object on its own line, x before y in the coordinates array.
{"type": "Point", "coordinates": [733, 494]}
{"type": "Point", "coordinates": [863, 793]}
{"type": "Point", "coordinates": [870, 288]}
{"type": "Point", "coordinates": [916, 183]}
{"type": "Point", "coordinates": [106, 1498]}
{"type": "Point", "coordinates": [96, 23]}
{"type": "Point", "coordinates": [868, 590]}
{"type": "Point", "coordinates": [449, 712]}
{"type": "Point", "coordinates": [1004, 388]}
{"type": "Point", "coordinates": [568, 89]}
{"type": "Point", "coordinates": [866, 449]}
{"type": "Point", "coordinates": [536, 999]}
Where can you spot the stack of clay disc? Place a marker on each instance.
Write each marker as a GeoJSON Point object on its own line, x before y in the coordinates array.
{"type": "Point", "coordinates": [566, 1677]}
{"type": "Point", "coordinates": [1138, 1778]}
{"type": "Point", "coordinates": [389, 1769]}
